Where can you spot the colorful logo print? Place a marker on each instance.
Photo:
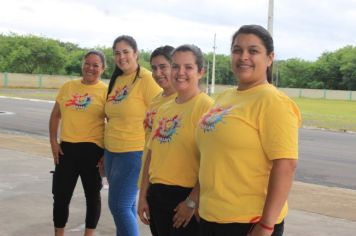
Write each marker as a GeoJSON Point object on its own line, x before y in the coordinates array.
{"type": "Point", "coordinates": [148, 121]}
{"type": "Point", "coordinates": [213, 117]}
{"type": "Point", "coordinates": [80, 102]}
{"type": "Point", "coordinates": [167, 127]}
{"type": "Point", "coordinates": [119, 95]}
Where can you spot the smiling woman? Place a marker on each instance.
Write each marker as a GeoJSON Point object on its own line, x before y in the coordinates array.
{"type": "Point", "coordinates": [79, 108]}
{"type": "Point", "coordinates": [254, 129]}
{"type": "Point", "coordinates": [168, 199]}
{"type": "Point", "coordinates": [131, 90]}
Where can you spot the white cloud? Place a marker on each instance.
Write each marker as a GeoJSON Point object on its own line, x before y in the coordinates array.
{"type": "Point", "coordinates": [302, 29]}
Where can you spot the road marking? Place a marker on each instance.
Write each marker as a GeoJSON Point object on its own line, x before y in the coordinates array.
{"type": "Point", "coordinates": [6, 113]}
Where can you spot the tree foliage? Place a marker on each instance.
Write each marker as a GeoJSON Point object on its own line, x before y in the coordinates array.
{"type": "Point", "coordinates": [31, 54]}
{"type": "Point", "coordinates": [40, 55]}
{"type": "Point", "coordinates": [332, 70]}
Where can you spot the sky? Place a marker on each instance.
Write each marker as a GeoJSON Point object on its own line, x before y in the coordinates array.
{"type": "Point", "coordinates": [301, 28]}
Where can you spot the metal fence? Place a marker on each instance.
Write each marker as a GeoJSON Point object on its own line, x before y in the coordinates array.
{"type": "Point", "coordinates": [16, 80]}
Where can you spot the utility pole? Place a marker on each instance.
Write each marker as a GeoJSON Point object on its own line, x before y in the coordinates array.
{"type": "Point", "coordinates": [213, 69]}
{"type": "Point", "coordinates": [207, 90]}
{"type": "Point", "coordinates": [270, 17]}
{"type": "Point", "coordinates": [270, 30]}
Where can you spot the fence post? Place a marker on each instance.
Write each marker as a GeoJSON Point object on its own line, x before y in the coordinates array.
{"type": "Point", "coordinates": [39, 81]}
{"type": "Point", "coordinates": [325, 93]}
{"type": "Point", "coordinates": [300, 93]}
{"type": "Point", "coordinates": [6, 79]}
{"type": "Point", "coordinates": [350, 95]}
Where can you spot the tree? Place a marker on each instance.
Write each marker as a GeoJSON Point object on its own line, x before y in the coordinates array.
{"type": "Point", "coordinates": [294, 73]}
{"type": "Point", "coordinates": [223, 73]}
{"type": "Point", "coordinates": [32, 54]}
{"type": "Point", "coordinates": [348, 68]}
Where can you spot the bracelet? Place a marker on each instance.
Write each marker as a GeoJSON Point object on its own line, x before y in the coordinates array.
{"type": "Point", "coordinates": [266, 227]}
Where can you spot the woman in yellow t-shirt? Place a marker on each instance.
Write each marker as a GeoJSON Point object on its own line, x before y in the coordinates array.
{"type": "Point", "coordinates": [169, 189]}
{"type": "Point", "coordinates": [160, 61]}
{"type": "Point", "coordinates": [79, 108]}
{"type": "Point", "coordinates": [131, 90]}
{"type": "Point", "coordinates": [249, 146]}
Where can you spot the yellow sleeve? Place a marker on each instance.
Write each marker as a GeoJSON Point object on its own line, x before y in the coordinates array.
{"type": "Point", "coordinates": [151, 89]}
{"type": "Point", "coordinates": [61, 91]}
{"type": "Point", "coordinates": [279, 123]}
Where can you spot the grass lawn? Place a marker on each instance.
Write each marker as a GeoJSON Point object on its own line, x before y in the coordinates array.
{"type": "Point", "coordinates": [321, 113]}
{"type": "Point", "coordinates": [330, 114]}
{"type": "Point", "coordinates": [45, 94]}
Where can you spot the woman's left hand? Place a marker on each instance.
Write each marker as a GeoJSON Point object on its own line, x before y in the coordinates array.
{"type": "Point", "coordinates": [101, 166]}
{"type": "Point", "coordinates": [183, 215]}
{"type": "Point", "coordinates": [259, 231]}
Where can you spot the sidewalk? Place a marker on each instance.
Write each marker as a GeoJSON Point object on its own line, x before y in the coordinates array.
{"type": "Point", "coordinates": [26, 200]}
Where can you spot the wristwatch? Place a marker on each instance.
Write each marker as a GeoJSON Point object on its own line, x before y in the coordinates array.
{"type": "Point", "coordinates": [190, 203]}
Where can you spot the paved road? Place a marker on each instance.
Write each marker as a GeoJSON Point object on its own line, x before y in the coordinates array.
{"type": "Point", "coordinates": [26, 200]}
{"type": "Point", "coordinates": [30, 117]}
{"type": "Point", "coordinates": [326, 158]}
{"type": "Point", "coordinates": [25, 182]}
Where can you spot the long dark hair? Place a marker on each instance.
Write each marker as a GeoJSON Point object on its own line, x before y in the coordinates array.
{"type": "Point", "coordinates": [117, 71]}
{"type": "Point", "coordinates": [265, 37]}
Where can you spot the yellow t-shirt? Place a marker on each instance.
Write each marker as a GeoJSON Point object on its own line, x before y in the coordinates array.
{"type": "Point", "coordinates": [82, 112]}
{"type": "Point", "coordinates": [148, 123]}
{"type": "Point", "coordinates": [238, 138]}
{"type": "Point", "coordinates": [174, 152]}
{"type": "Point", "coordinates": [125, 108]}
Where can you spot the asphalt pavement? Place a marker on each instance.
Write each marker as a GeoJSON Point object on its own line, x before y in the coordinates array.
{"type": "Point", "coordinates": [26, 200]}
{"type": "Point", "coordinates": [325, 157]}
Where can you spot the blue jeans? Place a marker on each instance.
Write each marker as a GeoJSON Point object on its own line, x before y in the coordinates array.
{"type": "Point", "coordinates": [122, 170]}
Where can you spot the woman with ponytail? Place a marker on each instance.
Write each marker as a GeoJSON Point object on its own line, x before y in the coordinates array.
{"type": "Point", "coordinates": [130, 91]}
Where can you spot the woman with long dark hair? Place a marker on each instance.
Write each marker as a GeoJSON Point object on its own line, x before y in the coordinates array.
{"type": "Point", "coordinates": [130, 92]}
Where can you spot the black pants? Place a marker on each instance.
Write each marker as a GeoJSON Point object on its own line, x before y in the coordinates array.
{"type": "Point", "coordinates": [79, 159]}
{"type": "Point", "coordinates": [162, 199]}
{"type": "Point", "coordinates": [207, 228]}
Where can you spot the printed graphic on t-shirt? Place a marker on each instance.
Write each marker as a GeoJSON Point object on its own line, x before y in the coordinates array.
{"type": "Point", "coordinates": [79, 102]}
{"type": "Point", "coordinates": [119, 95]}
{"type": "Point", "coordinates": [213, 117]}
{"type": "Point", "coordinates": [148, 121]}
{"type": "Point", "coordinates": [167, 127]}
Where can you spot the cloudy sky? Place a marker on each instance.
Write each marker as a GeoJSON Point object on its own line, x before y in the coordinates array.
{"type": "Point", "coordinates": [302, 28]}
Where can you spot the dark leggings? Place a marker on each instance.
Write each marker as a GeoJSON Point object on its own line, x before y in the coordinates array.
{"type": "Point", "coordinates": [79, 159]}
{"type": "Point", "coordinates": [207, 228]}
{"type": "Point", "coordinates": [162, 199]}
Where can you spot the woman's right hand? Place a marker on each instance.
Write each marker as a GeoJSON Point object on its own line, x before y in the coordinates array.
{"type": "Point", "coordinates": [143, 210]}
{"type": "Point", "coordinates": [56, 151]}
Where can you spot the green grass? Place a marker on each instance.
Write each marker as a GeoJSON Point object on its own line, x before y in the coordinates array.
{"type": "Point", "coordinates": [45, 94]}
{"type": "Point", "coordinates": [321, 113]}
{"type": "Point", "coordinates": [329, 114]}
